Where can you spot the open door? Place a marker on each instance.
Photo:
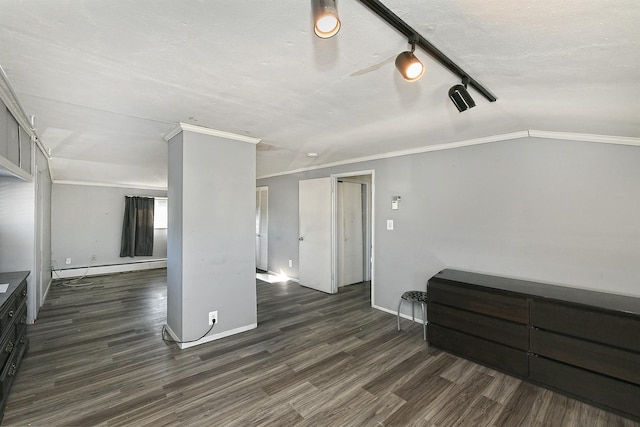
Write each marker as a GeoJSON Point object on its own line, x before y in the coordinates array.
{"type": "Point", "coordinates": [262, 227]}
{"type": "Point", "coordinates": [314, 238]}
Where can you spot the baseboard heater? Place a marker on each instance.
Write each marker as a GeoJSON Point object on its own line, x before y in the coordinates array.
{"type": "Point", "coordinates": [98, 270]}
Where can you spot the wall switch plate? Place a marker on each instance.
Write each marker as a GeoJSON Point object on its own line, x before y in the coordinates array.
{"type": "Point", "coordinates": [67, 261]}
{"type": "Point", "coordinates": [389, 224]}
{"type": "Point", "coordinates": [213, 316]}
{"type": "Point", "coordinates": [290, 263]}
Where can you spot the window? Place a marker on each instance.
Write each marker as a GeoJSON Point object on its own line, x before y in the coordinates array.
{"type": "Point", "coordinates": [160, 212]}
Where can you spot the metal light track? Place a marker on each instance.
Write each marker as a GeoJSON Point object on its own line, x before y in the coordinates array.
{"type": "Point", "coordinates": [405, 29]}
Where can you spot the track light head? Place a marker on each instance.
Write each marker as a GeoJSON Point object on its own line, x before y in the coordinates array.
{"type": "Point", "coordinates": [409, 65]}
{"type": "Point", "coordinates": [460, 96]}
{"type": "Point", "coordinates": [326, 22]}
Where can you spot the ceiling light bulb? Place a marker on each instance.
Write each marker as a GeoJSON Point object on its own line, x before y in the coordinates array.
{"type": "Point", "coordinates": [415, 70]}
{"type": "Point", "coordinates": [327, 24]}
{"type": "Point", "coordinates": [325, 18]}
{"type": "Point", "coordinates": [409, 66]}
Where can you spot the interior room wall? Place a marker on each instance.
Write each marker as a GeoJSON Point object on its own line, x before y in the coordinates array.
{"type": "Point", "coordinates": [16, 224]}
{"type": "Point", "coordinates": [42, 265]}
{"type": "Point", "coordinates": [212, 237]}
{"type": "Point", "coordinates": [561, 212]}
{"type": "Point", "coordinates": [87, 220]}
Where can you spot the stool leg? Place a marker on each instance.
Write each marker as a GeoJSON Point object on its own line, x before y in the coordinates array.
{"type": "Point", "coordinates": [399, 304]}
{"type": "Point", "coordinates": [413, 311]}
{"type": "Point", "coordinates": [424, 322]}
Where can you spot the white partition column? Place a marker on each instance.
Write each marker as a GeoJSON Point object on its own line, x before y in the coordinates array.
{"type": "Point", "coordinates": [211, 234]}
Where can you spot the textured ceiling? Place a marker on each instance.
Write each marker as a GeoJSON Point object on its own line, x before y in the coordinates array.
{"type": "Point", "coordinates": [107, 79]}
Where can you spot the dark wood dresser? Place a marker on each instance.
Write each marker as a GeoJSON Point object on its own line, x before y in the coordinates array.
{"type": "Point", "coordinates": [13, 330]}
{"type": "Point", "coordinates": [582, 343]}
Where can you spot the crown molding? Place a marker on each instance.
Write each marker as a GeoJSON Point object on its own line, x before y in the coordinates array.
{"type": "Point", "coordinates": [108, 184]}
{"type": "Point", "coordinates": [419, 150]}
{"type": "Point", "coordinates": [208, 131]}
{"type": "Point", "coordinates": [566, 136]}
{"type": "Point", "coordinates": [585, 137]}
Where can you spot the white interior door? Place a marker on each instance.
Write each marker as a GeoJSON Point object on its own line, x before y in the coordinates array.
{"type": "Point", "coordinates": [262, 227]}
{"type": "Point", "coordinates": [350, 243]}
{"type": "Point", "coordinates": [314, 243]}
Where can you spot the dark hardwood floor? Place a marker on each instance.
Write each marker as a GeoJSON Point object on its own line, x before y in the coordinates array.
{"type": "Point", "coordinates": [97, 358]}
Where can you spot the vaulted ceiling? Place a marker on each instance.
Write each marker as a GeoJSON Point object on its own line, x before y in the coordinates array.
{"type": "Point", "coordinates": [107, 79]}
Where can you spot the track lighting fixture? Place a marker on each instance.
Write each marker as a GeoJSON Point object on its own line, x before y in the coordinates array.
{"type": "Point", "coordinates": [326, 22]}
{"type": "Point", "coordinates": [460, 96]}
{"type": "Point", "coordinates": [409, 65]}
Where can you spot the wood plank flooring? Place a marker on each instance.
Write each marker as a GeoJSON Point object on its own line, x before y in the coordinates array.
{"type": "Point", "coordinates": [97, 358]}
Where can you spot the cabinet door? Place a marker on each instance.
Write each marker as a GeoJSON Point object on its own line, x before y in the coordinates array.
{"type": "Point", "coordinates": [4, 142]}
{"type": "Point", "coordinates": [25, 151]}
{"type": "Point", "coordinates": [13, 140]}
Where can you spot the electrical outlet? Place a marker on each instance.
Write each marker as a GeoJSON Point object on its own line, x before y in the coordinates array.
{"type": "Point", "coordinates": [290, 263]}
{"type": "Point", "coordinates": [93, 257]}
{"type": "Point", "coordinates": [67, 261]}
{"type": "Point", "coordinates": [213, 317]}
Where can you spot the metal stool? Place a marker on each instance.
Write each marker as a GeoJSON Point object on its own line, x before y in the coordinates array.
{"type": "Point", "coordinates": [414, 297]}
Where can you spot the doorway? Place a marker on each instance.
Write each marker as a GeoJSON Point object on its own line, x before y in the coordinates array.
{"type": "Point", "coordinates": [262, 228]}
{"type": "Point", "coordinates": [318, 205]}
{"type": "Point", "coordinates": [353, 229]}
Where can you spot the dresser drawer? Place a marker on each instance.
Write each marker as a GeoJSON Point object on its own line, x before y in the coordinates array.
{"type": "Point", "coordinates": [503, 306]}
{"type": "Point", "coordinates": [20, 295]}
{"type": "Point", "coordinates": [596, 389]}
{"type": "Point", "coordinates": [7, 345]}
{"type": "Point", "coordinates": [11, 367]}
{"type": "Point", "coordinates": [20, 320]}
{"type": "Point", "coordinates": [488, 353]}
{"type": "Point", "coordinates": [7, 313]}
{"type": "Point", "coordinates": [600, 358]}
{"type": "Point", "coordinates": [502, 331]}
{"type": "Point", "coordinates": [583, 322]}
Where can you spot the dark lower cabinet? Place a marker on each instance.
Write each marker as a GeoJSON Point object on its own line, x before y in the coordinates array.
{"type": "Point", "coordinates": [13, 330]}
{"type": "Point", "coordinates": [581, 343]}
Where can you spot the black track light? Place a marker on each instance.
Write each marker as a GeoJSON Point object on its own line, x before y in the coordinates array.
{"type": "Point", "coordinates": [409, 65]}
{"type": "Point", "coordinates": [460, 96]}
{"type": "Point", "coordinates": [326, 22]}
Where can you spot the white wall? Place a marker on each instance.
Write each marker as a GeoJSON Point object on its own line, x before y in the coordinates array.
{"type": "Point", "coordinates": [563, 212]}
{"type": "Point", "coordinates": [87, 220]}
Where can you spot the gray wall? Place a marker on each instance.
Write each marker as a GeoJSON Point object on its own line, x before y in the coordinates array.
{"type": "Point", "coordinates": [16, 224]}
{"type": "Point", "coordinates": [212, 195]}
{"type": "Point", "coordinates": [87, 220]}
{"type": "Point", "coordinates": [174, 239]}
{"type": "Point", "coordinates": [563, 212]}
{"type": "Point", "coordinates": [42, 265]}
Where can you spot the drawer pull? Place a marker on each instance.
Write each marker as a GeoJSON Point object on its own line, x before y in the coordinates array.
{"type": "Point", "coordinates": [11, 313]}
{"type": "Point", "coordinates": [12, 370]}
{"type": "Point", "coordinates": [9, 348]}
{"type": "Point", "coordinates": [24, 293]}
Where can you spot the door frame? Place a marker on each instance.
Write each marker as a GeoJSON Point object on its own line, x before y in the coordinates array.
{"type": "Point", "coordinates": [264, 188]}
{"type": "Point", "coordinates": [370, 218]}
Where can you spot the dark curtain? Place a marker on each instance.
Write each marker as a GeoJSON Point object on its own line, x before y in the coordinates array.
{"type": "Point", "coordinates": [137, 227]}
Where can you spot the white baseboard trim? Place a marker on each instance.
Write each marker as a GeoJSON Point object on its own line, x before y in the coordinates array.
{"type": "Point", "coordinates": [210, 338]}
{"type": "Point", "coordinates": [404, 316]}
{"type": "Point", "coordinates": [108, 269]}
